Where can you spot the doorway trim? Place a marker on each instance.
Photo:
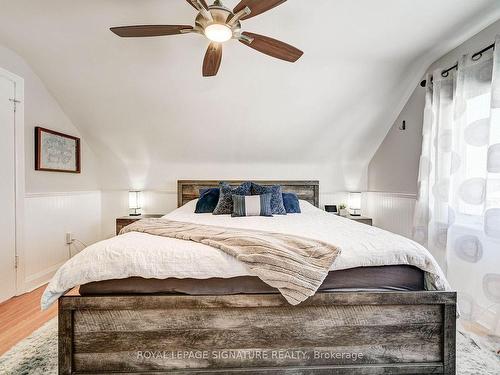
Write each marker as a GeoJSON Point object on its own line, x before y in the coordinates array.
{"type": "Point", "coordinates": [19, 175]}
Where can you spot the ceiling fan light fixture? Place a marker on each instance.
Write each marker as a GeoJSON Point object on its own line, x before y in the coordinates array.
{"type": "Point", "coordinates": [217, 32]}
{"type": "Point", "coordinates": [218, 24]}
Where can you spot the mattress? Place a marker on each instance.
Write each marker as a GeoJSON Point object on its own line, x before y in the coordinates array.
{"type": "Point", "coordinates": [141, 255]}
{"type": "Point", "coordinates": [398, 277]}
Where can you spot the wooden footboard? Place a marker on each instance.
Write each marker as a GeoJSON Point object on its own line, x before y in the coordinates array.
{"type": "Point", "coordinates": [330, 333]}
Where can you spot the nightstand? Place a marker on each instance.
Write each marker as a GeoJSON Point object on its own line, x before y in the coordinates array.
{"type": "Point", "coordinates": [361, 219]}
{"type": "Point", "coordinates": [122, 222]}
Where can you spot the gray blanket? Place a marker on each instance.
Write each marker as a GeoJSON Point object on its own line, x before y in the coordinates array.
{"type": "Point", "coordinates": [296, 266]}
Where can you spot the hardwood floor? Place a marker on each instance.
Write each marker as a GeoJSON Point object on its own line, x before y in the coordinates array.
{"type": "Point", "coordinates": [20, 316]}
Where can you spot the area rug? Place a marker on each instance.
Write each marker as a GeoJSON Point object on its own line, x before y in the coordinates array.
{"type": "Point", "coordinates": [37, 354]}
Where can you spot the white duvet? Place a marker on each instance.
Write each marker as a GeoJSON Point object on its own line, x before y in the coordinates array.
{"type": "Point", "coordinates": [148, 256]}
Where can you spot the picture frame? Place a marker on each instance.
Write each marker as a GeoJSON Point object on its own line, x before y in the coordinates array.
{"type": "Point", "coordinates": [56, 152]}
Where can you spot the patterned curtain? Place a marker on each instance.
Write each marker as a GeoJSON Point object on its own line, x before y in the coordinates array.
{"type": "Point", "coordinates": [457, 215]}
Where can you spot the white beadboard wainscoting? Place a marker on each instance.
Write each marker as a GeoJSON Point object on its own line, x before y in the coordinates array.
{"type": "Point", "coordinates": [47, 219]}
{"type": "Point", "coordinates": [390, 211]}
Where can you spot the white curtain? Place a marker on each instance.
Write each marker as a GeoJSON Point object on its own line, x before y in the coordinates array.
{"type": "Point", "coordinates": [457, 216]}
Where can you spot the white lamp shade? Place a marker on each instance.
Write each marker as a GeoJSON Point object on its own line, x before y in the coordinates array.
{"type": "Point", "coordinates": [355, 201]}
{"type": "Point", "coordinates": [134, 200]}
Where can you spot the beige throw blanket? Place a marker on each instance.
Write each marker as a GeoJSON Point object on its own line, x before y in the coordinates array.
{"type": "Point", "coordinates": [296, 266]}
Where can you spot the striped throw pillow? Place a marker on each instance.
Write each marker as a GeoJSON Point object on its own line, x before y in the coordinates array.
{"type": "Point", "coordinates": [251, 205]}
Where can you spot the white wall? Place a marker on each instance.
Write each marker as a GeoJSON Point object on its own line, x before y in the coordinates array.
{"type": "Point", "coordinates": [41, 109]}
{"type": "Point", "coordinates": [143, 138]}
{"type": "Point", "coordinates": [394, 167]}
{"type": "Point", "coordinates": [152, 119]}
{"type": "Point", "coordinates": [477, 42]}
{"type": "Point", "coordinates": [48, 217]}
{"type": "Point", "coordinates": [55, 203]}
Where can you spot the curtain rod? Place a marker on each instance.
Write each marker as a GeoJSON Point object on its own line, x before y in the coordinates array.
{"type": "Point", "coordinates": [475, 57]}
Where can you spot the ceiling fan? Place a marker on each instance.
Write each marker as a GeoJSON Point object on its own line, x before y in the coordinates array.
{"type": "Point", "coordinates": [220, 24]}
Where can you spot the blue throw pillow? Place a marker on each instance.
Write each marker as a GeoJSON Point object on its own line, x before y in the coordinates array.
{"type": "Point", "coordinates": [252, 205]}
{"type": "Point", "coordinates": [277, 206]}
{"type": "Point", "coordinates": [208, 201]}
{"type": "Point", "coordinates": [225, 203]}
{"type": "Point", "coordinates": [291, 203]}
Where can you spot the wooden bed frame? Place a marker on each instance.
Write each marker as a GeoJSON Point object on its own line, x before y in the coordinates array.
{"type": "Point", "coordinates": [330, 333]}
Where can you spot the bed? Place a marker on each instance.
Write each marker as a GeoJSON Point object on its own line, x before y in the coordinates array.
{"type": "Point", "coordinates": [216, 318]}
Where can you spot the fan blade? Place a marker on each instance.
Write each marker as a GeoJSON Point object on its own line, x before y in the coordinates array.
{"type": "Point", "coordinates": [141, 31]}
{"type": "Point", "coordinates": [257, 6]}
{"type": "Point", "coordinates": [202, 2]}
{"type": "Point", "coordinates": [272, 47]}
{"type": "Point", "coordinates": [212, 60]}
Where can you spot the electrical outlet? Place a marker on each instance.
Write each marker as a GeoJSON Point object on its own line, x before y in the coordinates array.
{"type": "Point", "coordinates": [69, 238]}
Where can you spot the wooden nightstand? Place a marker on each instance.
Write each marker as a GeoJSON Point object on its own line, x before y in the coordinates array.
{"type": "Point", "coordinates": [361, 219]}
{"type": "Point", "coordinates": [122, 222]}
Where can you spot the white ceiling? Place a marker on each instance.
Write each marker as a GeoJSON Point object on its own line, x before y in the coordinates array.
{"type": "Point", "coordinates": [145, 101]}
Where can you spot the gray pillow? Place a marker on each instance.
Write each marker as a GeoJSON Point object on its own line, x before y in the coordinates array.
{"type": "Point", "coordinates": [225, 203]}
{"type": "Point", "coordinates": [252, 205]}
{"type": "Point", "coordinates": [277, 206]}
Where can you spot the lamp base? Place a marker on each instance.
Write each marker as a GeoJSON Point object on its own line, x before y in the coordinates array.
{"type": "Point", "coordinates": [134, 215]}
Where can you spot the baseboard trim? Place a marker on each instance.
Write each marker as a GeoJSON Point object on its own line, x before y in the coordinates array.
{"type": "Point", "coordinates": [35, 281]}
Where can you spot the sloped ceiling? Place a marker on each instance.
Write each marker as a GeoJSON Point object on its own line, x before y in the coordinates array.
{"type": "Point", "coordinates": [143, 103]}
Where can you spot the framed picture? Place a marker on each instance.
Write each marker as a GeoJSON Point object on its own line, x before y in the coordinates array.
{"type": "Point", "coordinates": [56, 152]}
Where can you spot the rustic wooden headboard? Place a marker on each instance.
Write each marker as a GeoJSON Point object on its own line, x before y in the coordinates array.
{"type": "Point", "coordinates": [188, 190]}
